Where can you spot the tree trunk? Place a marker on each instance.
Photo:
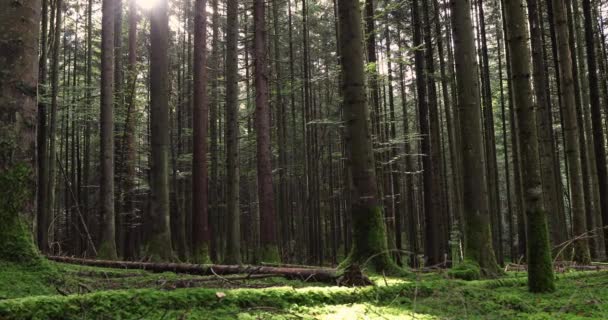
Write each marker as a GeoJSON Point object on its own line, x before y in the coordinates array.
{"type": "Point", "coordinates": [129, 145]}
{"type": "Point", "coordinates": [435, 207]}
{"type": "Point", "coordinates": [545, 126]}
{"type": "Point", "coordinates": [540, 268]}
{"type": "Point", "coordinates": [158, 238]}
{"type": "Point", "coordinates": [54, 106]}
{"type": "Point", "coordinates": [233, 243]}
{"type": "Point", "coordinates": [269, 251]}
{"type": "Point", "coordinates": [200, 120]}
{"type": "Point", "coordinates": [571, 131]}
{"type": "Point", "coordinates": [490, 139]}
{"type": "Point", "coordinates": [478, 237]}
{"type": "Point", "coordinates": [107, 244]}
{"type": "Point", "coordinates": [369, 240]}
{"type": "Point", "coordinates": [20, 26]}
{"type": "Point", "coordinates": [43, 221]}
{"type": "Point", "coordinates": [596, 116]}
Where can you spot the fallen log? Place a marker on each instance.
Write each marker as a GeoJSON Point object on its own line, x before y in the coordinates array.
{"type": "Point", "coordinates": [304, 274]}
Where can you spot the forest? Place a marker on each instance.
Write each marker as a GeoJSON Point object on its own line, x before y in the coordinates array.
{"type": "Point", "coordinates": [303, 159]}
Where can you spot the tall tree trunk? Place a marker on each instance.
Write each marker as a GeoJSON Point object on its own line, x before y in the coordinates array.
{"type": "Point", "coordinates": [540, 268]}
{"type": "Point", "coordinates": [233, 243]}
{"type": "Point", "coordinates": [214, 183]}
{"type": "Point", "coordinates": [54, 106]}
{"type": "Point", "coordinates": [158, 238]}
{"type": "Point", "coordinates": [42, 222]}
{"type": "Point", "coordinates": [545, 127]}
{"type": "Point", "coordinates": [20, 26]}
{"type": "Point", "coordinates": [107, 245]}
{"type": "Point", "coordinates": [490, 138]}
{"type": "Point", "coordinates": [369, 240]}
{"type": "Point", "coordinates": [596, 116]}
{"type": "Point", "coordinates": [200, 120]}
{"type": "Point", "coordinates": [269, 251]}
{"type": "Point", "coordinates": [478, 237]}
{"type": "Point", "coordinates": [571, 130]}
{"type": "Point", "coordinates": [129, 145]}
{"type": "Point", "coordinates": [435, 207]}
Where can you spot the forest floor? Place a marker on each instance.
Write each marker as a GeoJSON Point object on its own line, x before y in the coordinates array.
{"type": "Point", "coordinates": [62, 291]}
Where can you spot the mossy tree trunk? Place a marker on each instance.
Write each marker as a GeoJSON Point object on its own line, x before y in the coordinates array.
{"type": "Point", "coordinates": [19, 30]}
{"type": "Point", "coordinates": [478, 236]}
{"type": "Point", "coordinates": [158, 237]}
{"type": "Point", "coordinates": [369, 239]}
{"type": "Point", "coordinates": [540, 268]}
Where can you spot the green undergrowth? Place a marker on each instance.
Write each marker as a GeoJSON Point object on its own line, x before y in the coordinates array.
{"type": "Point", "coordinates": [18, 280]}
{"type": "Point", "coordinates": [142, 295]}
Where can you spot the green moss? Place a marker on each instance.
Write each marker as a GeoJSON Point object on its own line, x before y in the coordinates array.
{"type": "Point", "coordinates": [16, 195]}
{"type": "Point", "coordinates": [158, 247]}
{"type": "Point", "coordinates": [370, 249]}
{"type": "Point", "coordinates": [107, 250]}
{"type": "Point", "coordinates": [466, 270]}
{"type": "Point", "coordinates": [33, 279]}
{"type": "Point", "coordinates": [201, 256]}
{"type": "Point", "coordinates": [269, 254]}
{"type": "Point", "coordinates": [430, 296]}
{"type": "Point", "coordinates": [540, 266]}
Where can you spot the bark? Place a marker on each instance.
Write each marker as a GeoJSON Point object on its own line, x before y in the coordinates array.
{"type": "Point", "coordinates": [158, 237]}
{"type": "Point", "coordinates": [545, 128]}
{"type": "Point", "coordinates": [233, 243]}
{"type": "Point", "coordinates": [129, 144]}
{"type": "Point", "coordinates": [107, 244]}
{"type": "Point", "coordinates": [478, 237]}
{"type": "Point", "coordinates": [369, 240]}
{"type": "Point", "coordinates": [200, 119]}
{"type": "Point", "coordinates": [540, 269]}
{"type": "Point", "coordinates": [490, 139]}
{"type": "Point", "coordinates": [43, 221]}
{"type": "Point", "coordinates": [596, 116]}
{"type": "Point", "coordinates": [54, 106]}
{"type": "Point", "coordinates": [268, 233]}
{"type": "Point", "coordinates": [571, 130]}
{"type": "Point", "coordinates": [214, 182]}
{"type": "Point", "coordinates": [436, 213]}
{"type": "Point", "coordinates": [19, 36]}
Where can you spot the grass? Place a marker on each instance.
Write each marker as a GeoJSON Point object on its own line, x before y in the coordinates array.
{"type": "Point", "coordinates": [78, 292]}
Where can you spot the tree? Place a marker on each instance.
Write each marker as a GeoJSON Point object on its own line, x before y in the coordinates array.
{"type": "Point", "coordinates": [18, 110]}
{"type": "Point", "coordinates": [233, 243]}
{"type": "Point", "coordinates": [369, 238]}
{"type": "Point", "coordinates": [596, 117]}
{"type": "Point", "coordinates": [540, 267]}
{"type": "Point", "coordinates": [200, 119]}
{"type": "Point", "coordinates": [42, 226]}
{"type": "Point", "coordinates": [129, 147]}
{"type": "Point", "coordinates": [268, 231]}
{"type": "Point", "coordinates": [571, 130]}
{"type": "Point", "coordinates": [478, 238]}
{"type": "Point", "coordinates": [107, 247]}
{"type": "Point", "coordinates": [158, 238]}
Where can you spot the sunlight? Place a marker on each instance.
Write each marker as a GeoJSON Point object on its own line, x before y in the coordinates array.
{"type": "Point", "coordinates": [147, 4]}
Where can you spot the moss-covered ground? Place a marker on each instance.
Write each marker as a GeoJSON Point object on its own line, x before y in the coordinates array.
{"type": "Point", "coordinates": [77, 292]}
